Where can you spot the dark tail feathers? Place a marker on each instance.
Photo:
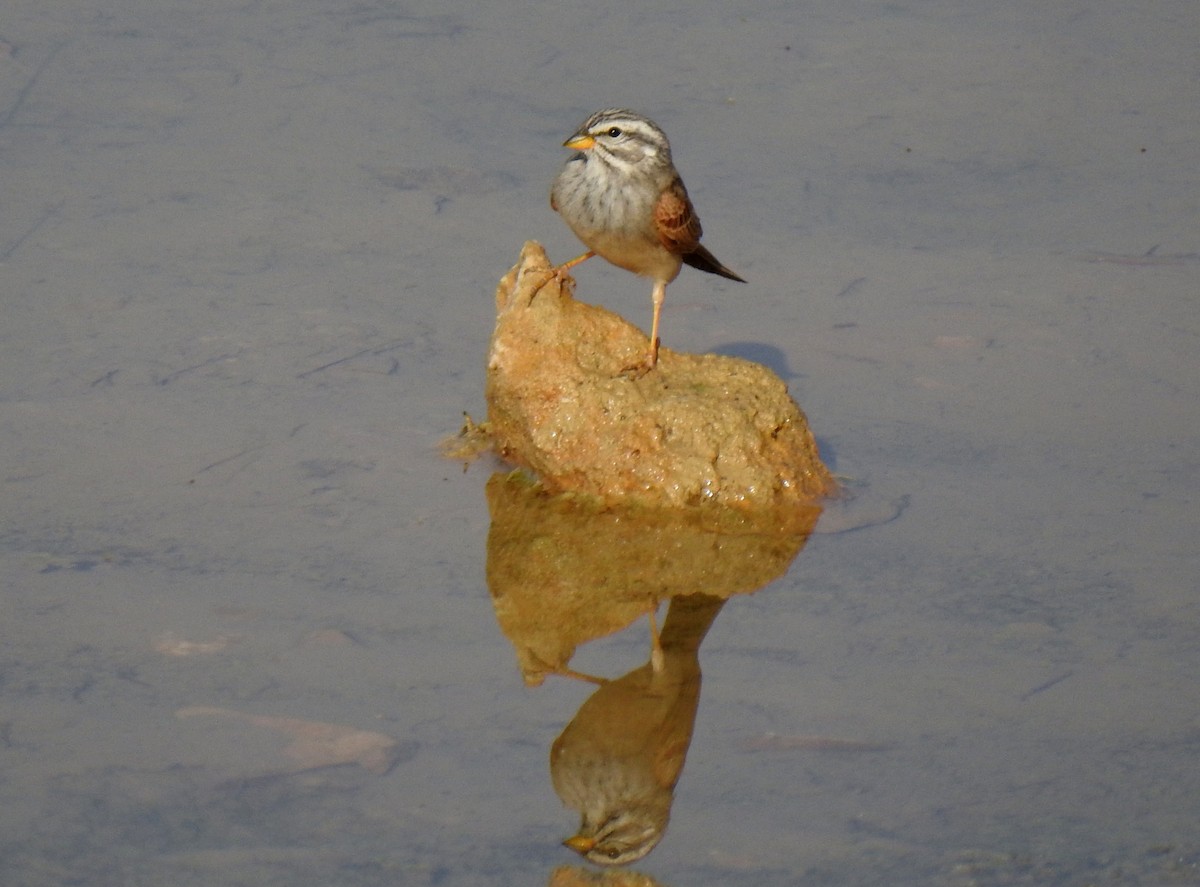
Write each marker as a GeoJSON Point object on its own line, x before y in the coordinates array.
{"type": "Point", "coordinates": [706, 261]}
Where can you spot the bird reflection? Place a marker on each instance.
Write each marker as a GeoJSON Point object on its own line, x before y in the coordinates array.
{"type": "Point", "coordinates": [565, 570]}
{"type": "Point", "coordinates": [619, 758]}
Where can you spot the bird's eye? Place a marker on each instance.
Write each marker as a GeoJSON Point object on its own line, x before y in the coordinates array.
{"type": "Point", "coordinates": [614, 132]}
{"type": "Point", "coordinates": [614, 852]}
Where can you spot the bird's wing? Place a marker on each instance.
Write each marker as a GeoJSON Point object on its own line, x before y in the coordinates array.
{"type": "Point", "coordinates": [675, 220]}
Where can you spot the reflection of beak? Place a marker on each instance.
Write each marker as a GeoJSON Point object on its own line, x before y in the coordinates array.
{"type": "Point", "coordinates": [581, 844]}
{"type": "Point", "coordinates": [579, 143]}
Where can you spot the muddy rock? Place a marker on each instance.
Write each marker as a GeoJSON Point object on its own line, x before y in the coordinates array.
{"type": "Point", "coordinates": [697, 428]}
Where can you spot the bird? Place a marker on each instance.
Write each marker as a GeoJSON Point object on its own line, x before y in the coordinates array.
{"type": "Point", "coordinates": [622, 196]}
{"type": "Point", "coordinates": [618, 760]}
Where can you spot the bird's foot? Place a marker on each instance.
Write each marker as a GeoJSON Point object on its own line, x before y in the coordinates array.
{"type": "Point", "coordinates": [561, 273]}
{"type": "Point", "coordinates": [643, 366]}
{"type": "Point", "coordinates": [558, 274]}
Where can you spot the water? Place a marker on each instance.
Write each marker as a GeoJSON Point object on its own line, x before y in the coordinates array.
{"type": "Point", "coordinates": [249, 253]}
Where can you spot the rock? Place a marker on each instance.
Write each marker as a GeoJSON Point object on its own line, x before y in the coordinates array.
{"type": "Point", "coordinates": [698, 428]}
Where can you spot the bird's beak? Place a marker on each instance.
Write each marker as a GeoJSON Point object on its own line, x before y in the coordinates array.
{"type": "Point", "coordinates": [581, 844]}
{"type": "Point", "coordinates": [579, 142]}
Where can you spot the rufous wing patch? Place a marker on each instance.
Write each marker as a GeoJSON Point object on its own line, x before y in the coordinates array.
{"type": "Point", "coordinates": [676, 221]}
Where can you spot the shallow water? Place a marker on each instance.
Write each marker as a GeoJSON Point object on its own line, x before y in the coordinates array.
{"type": "Point", "coordinates": [248, 255]}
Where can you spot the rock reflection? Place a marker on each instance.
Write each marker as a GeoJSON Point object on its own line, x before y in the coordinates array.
{"type": "Point", "coordinates": [564, 570]}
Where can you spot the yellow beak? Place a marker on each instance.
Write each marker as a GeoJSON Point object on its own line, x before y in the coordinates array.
{"type": "Point", "coordinates": [579, 143]}
{"type": "Point", "coordinates": [581, 844]}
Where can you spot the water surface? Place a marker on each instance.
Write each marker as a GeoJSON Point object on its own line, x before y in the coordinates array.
{"type": "Point", "coordinates": [248, 256]}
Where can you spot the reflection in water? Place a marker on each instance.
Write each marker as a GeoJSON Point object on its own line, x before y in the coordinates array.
{"type": "Point", "coordinates": [618, 760]}
{"type": "Point", "coordinates": [564, 570]}
{"type": "Point", "coordinates": [573, 876]}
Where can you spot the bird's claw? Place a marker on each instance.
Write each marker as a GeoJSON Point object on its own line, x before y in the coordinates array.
{"type": "Point", "coordinates": [643, 366]}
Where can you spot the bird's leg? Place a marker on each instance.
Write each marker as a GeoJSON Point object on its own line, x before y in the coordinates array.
{"type": "Point", "coordinates": [657, 297]}
{"type": "Point", "coordinates": [580, 676]}
{"type": "Point", "coordinates": [559, 272]}
{"type": "Point", "coordinates": [578, 260]}
{"type": "Point", "coordinates": [657, 661]}
{"type": "Point", "coordinates": [565, 672]}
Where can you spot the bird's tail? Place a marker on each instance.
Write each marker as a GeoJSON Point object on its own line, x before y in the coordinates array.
{"type": "Point", "coordinates": [704, 260]}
